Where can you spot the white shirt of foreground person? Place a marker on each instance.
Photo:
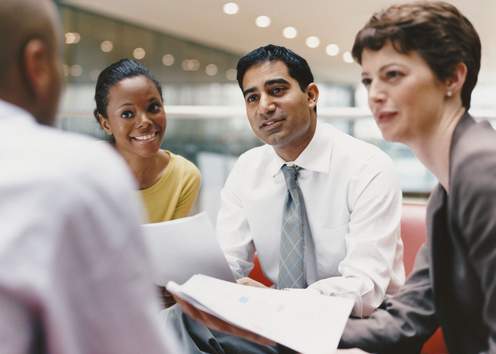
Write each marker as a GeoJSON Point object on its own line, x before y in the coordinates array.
{"type": "Point", "coordinates": [73, 270]}
{"type": "Point", "coordinates": [353, 203]}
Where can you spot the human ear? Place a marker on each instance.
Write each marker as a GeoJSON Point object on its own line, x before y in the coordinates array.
{"type": "Point", "coordinates": [312, 92]}
{"type": "Point", "coordinates": [36, 58]}
{"type": "Point", "coordinates": [104, 123]}
{"type": "Point", "coordinates": [455, 83]}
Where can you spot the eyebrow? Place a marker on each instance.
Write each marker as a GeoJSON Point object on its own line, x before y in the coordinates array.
{"type": "Point", "coordinates": [267, 83]}
{"type": "Point", "coordinates": [382, 68]}
{"type": "Point", "coordinates": [151, 99]}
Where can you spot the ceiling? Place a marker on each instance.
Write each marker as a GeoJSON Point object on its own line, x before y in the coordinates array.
{"type": "Point", "coordinates": [331, 20]}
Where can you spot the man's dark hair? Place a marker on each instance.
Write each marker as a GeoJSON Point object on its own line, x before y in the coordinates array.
{"type": "Point", "coordinates": [298, 67]}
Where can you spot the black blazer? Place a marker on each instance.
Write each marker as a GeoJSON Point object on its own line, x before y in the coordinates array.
{"type": "Point", "coordinates": [454, 280]}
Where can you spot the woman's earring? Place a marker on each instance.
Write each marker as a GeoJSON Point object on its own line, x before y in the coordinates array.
{"type": "Point", "coordinates": [449, 94]}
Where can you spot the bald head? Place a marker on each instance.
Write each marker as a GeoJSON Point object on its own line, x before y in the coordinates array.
{"type": "Point", "coordinates": [30, 64]}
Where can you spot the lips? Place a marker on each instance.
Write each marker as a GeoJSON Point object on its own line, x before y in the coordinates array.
{"type": "Point", "coordinates": [385, 116]}
{"type": "Point", "coordinates": [271, 123]}
{"type": "Point", "coordinates": [145, 137]}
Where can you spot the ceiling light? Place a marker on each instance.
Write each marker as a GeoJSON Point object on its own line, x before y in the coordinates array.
{"type": "Point", "coordinates": [332, 50]}
{"type": "Point", "coordinates": [139, 53]}
{"type": "Point", "coordinates": [190, 64]}
{"type": "Point", "coordinates": [168, 59]}
{"type": "Point", "coordinates": [72, 37]}
{"type": "Point", "coordinates": [312, 41]}
{"type": "Point", "coordinates": [262, 21]}
{"type": "Point", "coordinates": [289, 32]}
{"type": "Point", "coordinates": [211, 69]}
{"type": "Point", "coordinates": [106, 46]}
{"type": "Point", "coordinates": [230, 8]}
{"type": "Point", "coordinates": [347, 57]}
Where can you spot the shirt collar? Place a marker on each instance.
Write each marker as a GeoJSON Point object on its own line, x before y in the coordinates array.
{"type": "Point", "coordinates": [316, 157]}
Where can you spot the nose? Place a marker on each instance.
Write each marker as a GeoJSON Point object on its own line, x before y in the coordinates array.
{"type": "Point", "coordinates": [266, 104]}
{"type": "Point", "coordinates": [143, 120]}
{"type": "Point", "coordinates": [376, 92]}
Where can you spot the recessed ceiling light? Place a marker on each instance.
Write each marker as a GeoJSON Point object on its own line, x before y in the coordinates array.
{"type": "Point", "coordinates": [106, 46]}
{"type": "Point", "coordinates": [211, 70]}
{"type": "Point", "coordinates": [289, 32]}
{"type": "Point", "coordinates": [139, 53]}
{"type": "Point", "coordinates": [332, 50]}
{"type": "Point", "coordinates": [168, 59]}
{"type": "Point", "coordinates": [72, 37]}
{"type": "Point", "coordinates": [347, 57]}
{"type": "Point", "coordinates": [262, 21]}
{"type": "Point", "coordinates": [312, 41]}
{"type": "Point", "coordinates": [230, 8]}
{"type": "Point", "coordinates": [190, 64]}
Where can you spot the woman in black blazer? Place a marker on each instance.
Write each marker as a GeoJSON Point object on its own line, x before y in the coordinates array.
{"type": "Point", "coordinates": [420, 63]}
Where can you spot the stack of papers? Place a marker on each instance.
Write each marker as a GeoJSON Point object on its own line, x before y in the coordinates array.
{"type": "Point", "coordinates": [184, 247]}
{"type": "Point", "coordinates": [305, 322]}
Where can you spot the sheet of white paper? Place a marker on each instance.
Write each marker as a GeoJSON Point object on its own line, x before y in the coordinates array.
{"type": "Point", "coordinates": [183, 247]}
{"type": "Point", "coordinates": [306, 322]}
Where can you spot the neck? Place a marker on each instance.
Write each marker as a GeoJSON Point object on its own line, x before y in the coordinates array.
{"type": "Point", "coordinates": [147, 170]}
{"type": "Point", "coordinates": [433, 149]}
{"type": "Point", "coordinates": [293, 149]}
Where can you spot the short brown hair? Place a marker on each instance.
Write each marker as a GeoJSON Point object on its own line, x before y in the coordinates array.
{"type": "Point", "coordinates": [440, 34]}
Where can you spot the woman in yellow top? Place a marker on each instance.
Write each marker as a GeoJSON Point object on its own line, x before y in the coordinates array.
{"type": "Point", "coordinates": [130, 108]}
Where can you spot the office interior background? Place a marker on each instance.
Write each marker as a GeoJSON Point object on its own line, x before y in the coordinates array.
{"type": "Point", "coordinates": [192, 47]}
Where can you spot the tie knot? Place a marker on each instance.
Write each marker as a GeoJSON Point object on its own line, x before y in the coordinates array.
{"type": "Point", "coordinates": [291, 175]}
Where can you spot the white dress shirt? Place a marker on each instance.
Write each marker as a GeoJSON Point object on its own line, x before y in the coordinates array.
{"type": "Point", "coordinates": [74, 275]}
{"type": "Point", "coordinates": [353, 203]}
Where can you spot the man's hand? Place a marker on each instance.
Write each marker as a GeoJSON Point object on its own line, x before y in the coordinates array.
{"type": "Point", "coordinates": [219, 325]}
{"type": "Point", "coordinates": [166, 297]}
{"type": "Point", "coordinates": [250, 282]}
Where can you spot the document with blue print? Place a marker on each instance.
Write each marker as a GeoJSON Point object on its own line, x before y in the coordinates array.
{"type": "Point", "coordinates": [303, 321]}
{"type": "Point", "coordinates": [183, 247]}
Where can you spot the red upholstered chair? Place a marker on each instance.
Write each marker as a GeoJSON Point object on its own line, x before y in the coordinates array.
{"type": "Point", "coordinates": [413, 234]}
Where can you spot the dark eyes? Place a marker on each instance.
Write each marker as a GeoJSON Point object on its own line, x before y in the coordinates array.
{"type": "Point", "coordinates": [389, 76]}
{"type": "Point", "coordinates": [276, 91]}
{"type": "Point", "coordinates": [273, 91]}
{"type": "Point", "coordinates": [366, 82]}
{"type": "Point", "coordinates": [251, 98]}
{"type": "Point", "coordinates": [393, 74]}
{"type": "Point", "coordinates": [127, 114]}
{"type": "Point", "coordinates": [155, 107]}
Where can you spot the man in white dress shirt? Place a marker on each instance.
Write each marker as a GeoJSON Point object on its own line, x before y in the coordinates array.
{"type": "Point", "coordinates": [350, 192]}
{"type": "Point", "coordinates": [73, 269]}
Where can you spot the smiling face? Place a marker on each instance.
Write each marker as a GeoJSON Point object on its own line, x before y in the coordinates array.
{"type": "Point", "coordinates": [279, 112]}
{"type": "Point", "coordinates": [405, 97]}
{"type": "Point", "coordinates": [136, 117]}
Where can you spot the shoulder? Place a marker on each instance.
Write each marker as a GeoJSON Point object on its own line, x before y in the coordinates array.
{"type": "Point", "coordinates": [473, 160]}
{"type": "Point", "coordinates": [259, 155]}
{"type": "Point", "coordinates": [350, 151]}
{"type": "Point", "coordinates": [184, 167]}
{"type": "Point", "coordinates": [76, 163]}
